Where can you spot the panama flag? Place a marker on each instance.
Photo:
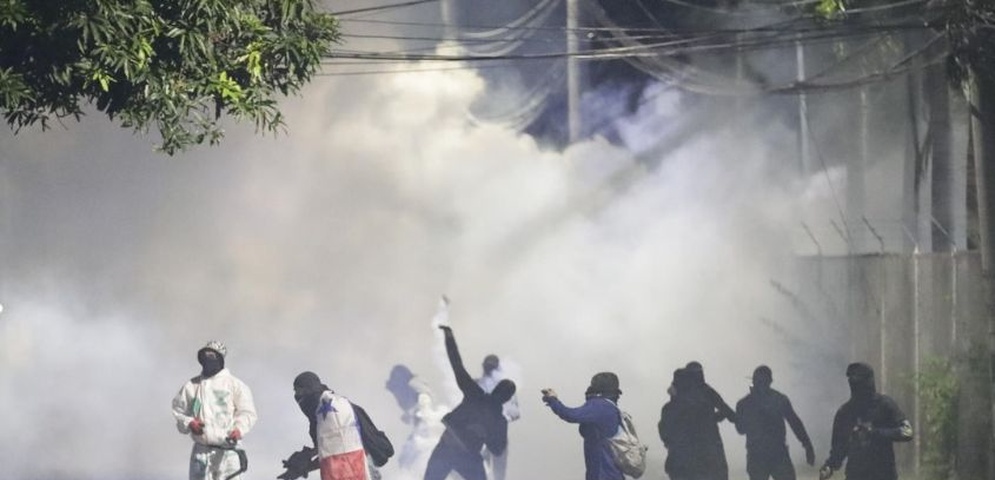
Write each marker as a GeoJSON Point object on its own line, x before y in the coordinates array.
{"type": "Point", "coordinates": [340, 446]}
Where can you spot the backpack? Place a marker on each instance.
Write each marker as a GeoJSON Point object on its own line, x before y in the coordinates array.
{"type": "Point", "coordinates": [627, 451]}
{"type": "Point", "coordinates": [375, 442]}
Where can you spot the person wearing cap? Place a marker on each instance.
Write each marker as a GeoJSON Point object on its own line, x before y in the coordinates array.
{"type": "Point", "coordinates": [475, 423]}
{"type": "Point", "coordinates": [493, 374]}
{"type": "Point", "coordinates": [216, 410]}
{"type": "Point", "coordinates": [761, 416]}
{"type": "Point", "coordinates": [599, 420]}
{"type": "Point", "coordinates": [865, 429]}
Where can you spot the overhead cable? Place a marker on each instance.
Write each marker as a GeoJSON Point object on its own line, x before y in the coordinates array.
{"type": "Point", "coordinates": [381, 7]}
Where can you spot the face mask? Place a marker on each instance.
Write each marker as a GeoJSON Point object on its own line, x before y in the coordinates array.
{"type": "Point", "coordinates": [210, 365]}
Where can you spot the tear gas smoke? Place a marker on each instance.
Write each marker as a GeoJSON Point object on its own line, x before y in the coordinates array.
{"type": "Point", "coordinates": [327, 249]}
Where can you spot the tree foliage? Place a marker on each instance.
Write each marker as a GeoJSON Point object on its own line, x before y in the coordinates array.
{"type": "Point", "coordinates": [970, 26]}
{"type": "Point", "coordinates": [179, 66]}
{"type": "Point", "coordinates": [939, 393]}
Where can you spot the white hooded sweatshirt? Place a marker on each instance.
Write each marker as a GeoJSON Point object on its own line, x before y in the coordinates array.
{"type": "Point", "coordinates": [222, 402]}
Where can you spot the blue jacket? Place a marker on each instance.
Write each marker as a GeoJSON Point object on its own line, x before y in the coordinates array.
{"type": "Point", "coordinates": [599, 420]}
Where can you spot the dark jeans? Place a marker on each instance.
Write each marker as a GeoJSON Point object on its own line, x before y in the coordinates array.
{"type": "Point", "coordinates": [766, 465]}
{"type": "Point", "coordinates": [448, 455]}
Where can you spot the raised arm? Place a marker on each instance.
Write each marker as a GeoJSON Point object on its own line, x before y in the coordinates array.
{"type": "Point", "coordinates": [463, 379]}
{"type": "Point", "coordinates": [586, 413]}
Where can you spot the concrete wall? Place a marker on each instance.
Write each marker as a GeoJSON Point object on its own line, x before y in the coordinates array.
{"type": "Point", "coordinates": [895, 311]}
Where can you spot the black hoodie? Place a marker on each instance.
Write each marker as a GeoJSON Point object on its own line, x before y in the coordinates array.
{"type": "Point", "coordinates": [865, 428]}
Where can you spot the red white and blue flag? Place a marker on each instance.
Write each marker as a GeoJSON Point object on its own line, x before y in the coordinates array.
{"type": "Point", "coordinates": [340, 446]}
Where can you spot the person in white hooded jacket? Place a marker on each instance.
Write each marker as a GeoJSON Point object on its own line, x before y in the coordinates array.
{"type": "Point", "coordinates": [216, 409]}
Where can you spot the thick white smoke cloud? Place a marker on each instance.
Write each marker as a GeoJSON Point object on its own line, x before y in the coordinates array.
{"type": "Point", "coordinates": [327, 249]}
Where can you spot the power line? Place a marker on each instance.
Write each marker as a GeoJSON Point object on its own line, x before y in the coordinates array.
{"type": "Point", "coordinates": [382, 7]}
{"type": "Point", "coordinates": [641, 45]}
{"type": "Point", "coordinates": [773, 38]}
{"type": "Point", "coordinates": [594, 30]}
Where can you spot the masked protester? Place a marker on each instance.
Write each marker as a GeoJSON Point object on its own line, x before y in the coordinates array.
{"type": "Point", "coordinates": [864, 429]}
{"type": "Point", "coordinates": [696, 376]}
{"type": "Point", "coordinates": [495, 464]}
{"type": "Point", "coordinates": [599, 420]}
{"type": "Point", "coordinates": [216, 410]}
{"type": "Point", "coordinates": [476, 422]}
{"type": "Point", "coordinates": [761, 416]}
{"type": "Point", "coordinates": [711, 454]}
{"type": "Point", "coordinates": [347, 445]}
{"type": "Point", "coordinates": [688, 430]}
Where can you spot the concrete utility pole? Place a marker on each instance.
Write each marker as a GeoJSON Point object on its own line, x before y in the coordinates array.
{"type": "Point", "coordinates": [856, 163]}
{"type": "Point", "coordinates": [573, 71]}
{"type": "Point", "coordinates": [936, 91]}
{"type": "Point", "coordinates": [804, 150]}
{"type": "Point", "coordinates": [981, 98]}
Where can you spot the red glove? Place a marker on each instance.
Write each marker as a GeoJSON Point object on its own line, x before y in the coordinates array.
{"type": "Point", "coordinates": [196, 426]}
{"type": "Point", "coordinates": [234, 435]}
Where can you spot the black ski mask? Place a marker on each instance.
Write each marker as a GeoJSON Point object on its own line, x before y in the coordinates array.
{"type": "Point", "coordinates": [211, 362]}
{"type": "Point", "coordinates": [860, 376]}
{"type": "Point", "coordinates": [307, 391]}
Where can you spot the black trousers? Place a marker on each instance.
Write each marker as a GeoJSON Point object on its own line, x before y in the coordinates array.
{"type": "Point", "coordinates": [450, 454]}
{"type": "Point", "coordinates": [767, 465]}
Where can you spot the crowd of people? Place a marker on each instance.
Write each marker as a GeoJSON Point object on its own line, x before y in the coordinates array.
{"type": "Point", "coordinates": [216, 410]}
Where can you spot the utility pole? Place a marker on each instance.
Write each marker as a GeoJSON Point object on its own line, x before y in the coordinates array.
{"type": "Point", "coordinates": [982, 106]}
{"type": "Point", "coordinates": [856, 163]}
{"type": "Point", "coordinates": [804, 149]}
{"type": "Point", "coordinates": [573, 72]}
{"type": "Point", "coordinates": [937, 95]}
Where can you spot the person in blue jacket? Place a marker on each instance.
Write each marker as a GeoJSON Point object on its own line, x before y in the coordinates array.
{"type": "Point", "coordinates": [599, 420]}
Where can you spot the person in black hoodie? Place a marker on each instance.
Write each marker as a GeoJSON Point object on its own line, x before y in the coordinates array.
{"type": "Point", "coordinates": [761, 416]}
{"type": "Point", "coordinates": [697, 376]}
{"type": "Point", "coordinates": [476, 422]}
{"type": "Point", "coordinates": [864, 429]}
{"type": "Point", "coordinates": [711, 451]}
{"type": "Point", "coordinates": [689, 430]}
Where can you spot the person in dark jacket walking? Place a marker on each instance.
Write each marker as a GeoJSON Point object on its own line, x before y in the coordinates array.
{"type": "Point", "coordinates": [864, 430]}
{"type": "Point", "coordinates": [599, 420]}
{"type": "Point", "coordinates": [760, 416]}
{"type": "Point", "coordinates": [722, 409]}
{"type": "Point", "coordinates": [689, 431]}
{"type": "Point", "coordinates": [711, 452]}
{"type": "Point", "coordinates": [476, 422]}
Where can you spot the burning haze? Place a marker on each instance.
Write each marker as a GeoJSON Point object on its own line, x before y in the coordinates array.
{"type": "Point", "coordinates": [327, 249]}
